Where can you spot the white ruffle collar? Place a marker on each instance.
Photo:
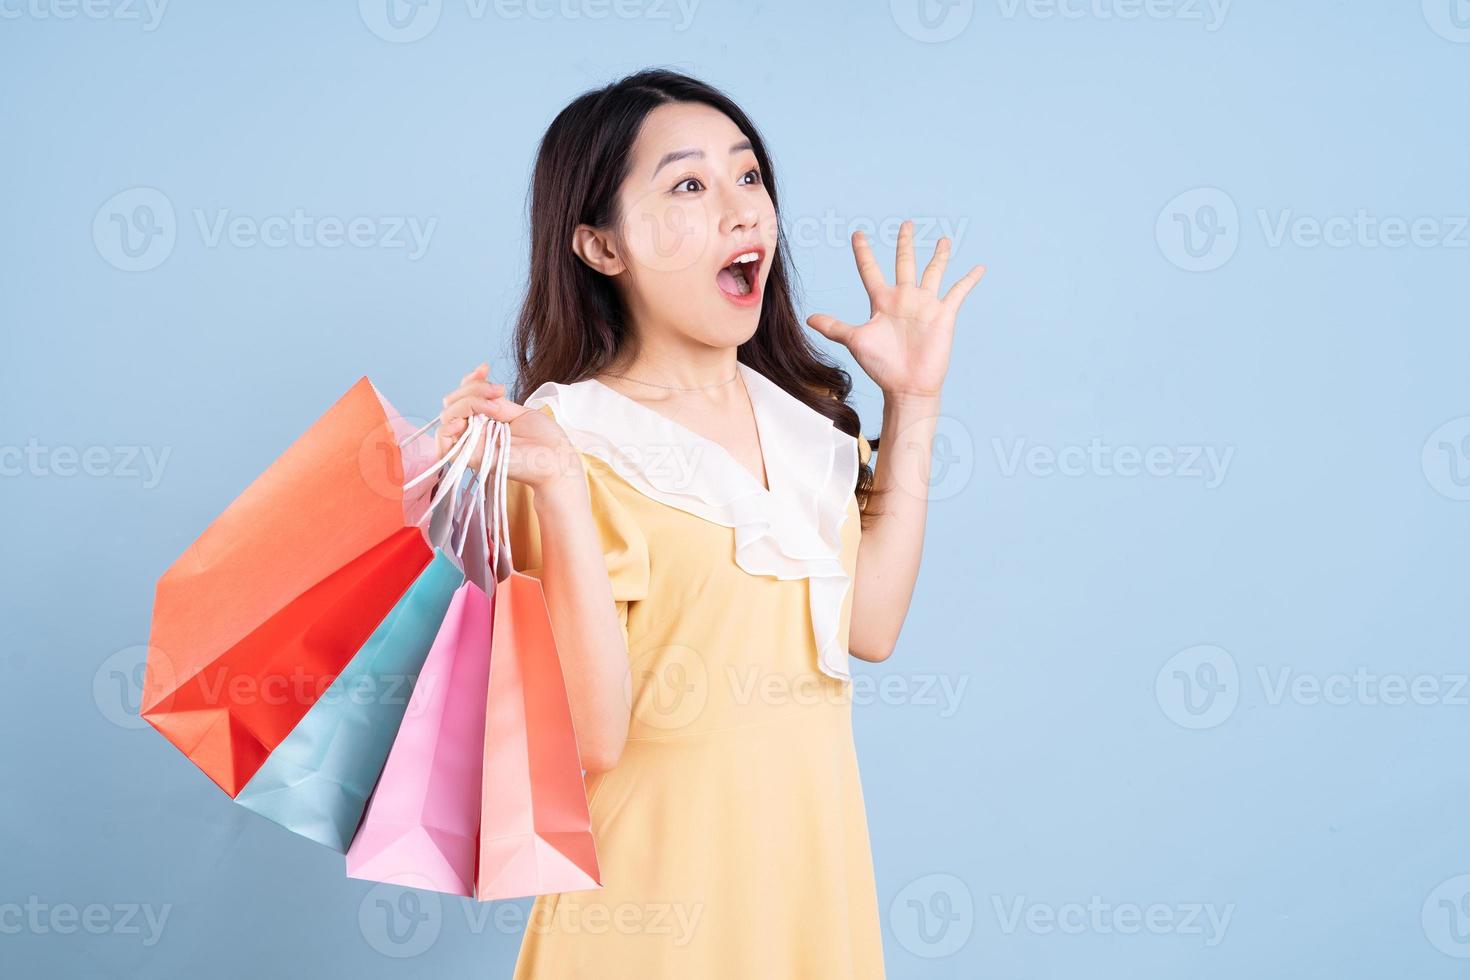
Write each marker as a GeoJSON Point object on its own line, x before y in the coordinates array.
{"type": "Point", "coordinates": [793, 530]}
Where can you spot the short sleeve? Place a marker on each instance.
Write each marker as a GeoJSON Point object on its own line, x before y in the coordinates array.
{"type": "Point", "coordinates": [865, 450]}
{"type": "Point", "coordinates": [624, 548]}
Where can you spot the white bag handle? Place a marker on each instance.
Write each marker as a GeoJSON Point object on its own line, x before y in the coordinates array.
{"type": "Point", "coordinates": [500, 515]}
{"type": "Point", "coordinates": [462, 501]}
{"type": "Point", "coordinates": [477, 500]}
{"type": "Point", "coordinates": [457, 459]}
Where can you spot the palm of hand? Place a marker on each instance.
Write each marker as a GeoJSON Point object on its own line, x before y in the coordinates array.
{"type": "Point", "coordinates": [905, 344]}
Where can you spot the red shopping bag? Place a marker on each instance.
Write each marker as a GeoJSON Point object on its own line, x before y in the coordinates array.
{"type": "Point", "coordinates": [535, 829]}
{"type": "Point", "coordinates": [261, 613]}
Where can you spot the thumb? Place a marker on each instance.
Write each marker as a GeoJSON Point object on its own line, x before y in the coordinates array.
{"type": "Point", "coordinates": [830, 327]}
{"type": "Point", "coordinates": [501, 409]}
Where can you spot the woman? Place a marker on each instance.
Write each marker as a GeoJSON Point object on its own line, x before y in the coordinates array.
{"type": "Point", "coordinates": [689, 484]}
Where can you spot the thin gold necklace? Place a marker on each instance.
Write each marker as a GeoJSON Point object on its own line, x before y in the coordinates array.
{"type": "Point", "coordinates": [655, 384]}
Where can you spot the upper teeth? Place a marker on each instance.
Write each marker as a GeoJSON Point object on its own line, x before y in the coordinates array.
{"type": "Point", "coordinates": [747, 257]}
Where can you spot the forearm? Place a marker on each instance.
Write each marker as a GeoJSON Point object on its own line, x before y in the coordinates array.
{"type": "Point", "coordinates": [584, 618]}
{"type": "Point", "coordinates": [892, 545]}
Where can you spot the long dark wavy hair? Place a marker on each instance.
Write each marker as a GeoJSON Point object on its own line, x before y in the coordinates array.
{"type": "Point", "coordinates": [572, 323]}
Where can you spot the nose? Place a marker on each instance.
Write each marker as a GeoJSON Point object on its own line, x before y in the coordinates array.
{"type": "Point", "coordinates": [739, 215]}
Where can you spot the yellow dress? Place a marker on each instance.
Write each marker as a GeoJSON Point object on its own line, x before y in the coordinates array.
{"type": "Point", "coordinates": [731, 835]}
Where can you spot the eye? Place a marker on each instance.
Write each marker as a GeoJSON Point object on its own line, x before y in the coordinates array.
{"type": "Point", "coordinates": [753, 175]}
{"type": "Point", "coordinates": [683, 186]}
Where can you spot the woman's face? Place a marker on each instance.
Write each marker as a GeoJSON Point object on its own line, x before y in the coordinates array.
{"type": "Point", "coordinates": [697, 229]}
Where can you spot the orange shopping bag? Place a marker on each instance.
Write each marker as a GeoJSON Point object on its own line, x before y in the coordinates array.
{"type": "Point", "coordinates": [265, 608]}
{"type": "Point", "coordinates": [535, 829]}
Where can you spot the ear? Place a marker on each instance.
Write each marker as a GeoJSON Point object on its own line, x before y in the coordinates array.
{"type": "Point", "coordinates": [596, 248]}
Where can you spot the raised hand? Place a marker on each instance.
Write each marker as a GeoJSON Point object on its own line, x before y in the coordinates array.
{"type": "Point", "coordinates": [905, 344]}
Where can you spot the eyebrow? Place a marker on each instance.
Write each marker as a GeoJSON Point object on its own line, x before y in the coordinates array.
{"type": "Point", "coordinates": [669, 158]}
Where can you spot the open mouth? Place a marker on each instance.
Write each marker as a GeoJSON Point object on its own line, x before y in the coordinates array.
{"type": "Point", "coordinates": [739, 277]}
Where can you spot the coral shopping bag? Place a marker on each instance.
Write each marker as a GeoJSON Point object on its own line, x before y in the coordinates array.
{"type": "Point", "coordinates": [317, 782]}
{"type": "Point", "coordinates": [420, 825]}
{"type": "Point", "coordinates": [268, 605]}
{"type": "Point", "coordinates": [535, 829]}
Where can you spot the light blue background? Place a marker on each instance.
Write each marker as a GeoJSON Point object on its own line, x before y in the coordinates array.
{"type": "Point", "coordinates": [1334, 543]}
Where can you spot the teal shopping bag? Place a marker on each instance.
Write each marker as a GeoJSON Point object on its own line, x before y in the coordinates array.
{"type": "Point", "coordinates": [317, 782]}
